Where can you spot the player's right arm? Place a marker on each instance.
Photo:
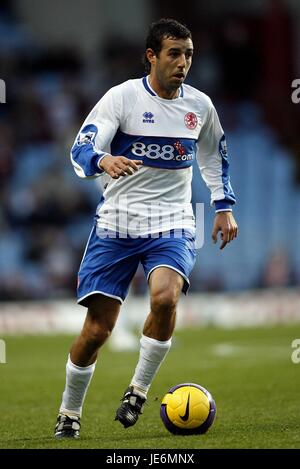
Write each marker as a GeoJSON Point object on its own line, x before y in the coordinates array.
{"type": "Point", "coordinates": [90, 152]}
{"type": "Point", "coordinates": [117, 166]}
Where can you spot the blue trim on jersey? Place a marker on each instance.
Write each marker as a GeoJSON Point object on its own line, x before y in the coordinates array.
{"type": "Point", "coordinates": [157, 152]}
{"type": "Point", "coordinates": [150, 90]}
{"type": "Point", "coordinates": [222, 205]}
{"type": "Point", "coordinates": [147, 87]}
{"type": "Point", "coordinates": [83, 151]}
{"type": "Point", "coordinates": [229, 198]}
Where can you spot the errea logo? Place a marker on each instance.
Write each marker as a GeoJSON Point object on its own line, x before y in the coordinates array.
{"type": "Point", "coordinates": [148, 118]}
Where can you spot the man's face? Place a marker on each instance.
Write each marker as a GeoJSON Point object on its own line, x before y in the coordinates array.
{"type": "Point", "coordinates": [172, 64]}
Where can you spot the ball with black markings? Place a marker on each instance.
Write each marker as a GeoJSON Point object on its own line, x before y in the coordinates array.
{"type": "Point", "coordinates": [188, 409]}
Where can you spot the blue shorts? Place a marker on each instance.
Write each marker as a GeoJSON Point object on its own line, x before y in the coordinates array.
{"type": "Point", "coordinates": [109, 264]}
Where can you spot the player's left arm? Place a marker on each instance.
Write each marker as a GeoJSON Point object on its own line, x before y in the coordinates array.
{"type": "Point", "coordinates": [225, 224]}
{"type": "Point", "coordinates": [213, 163]}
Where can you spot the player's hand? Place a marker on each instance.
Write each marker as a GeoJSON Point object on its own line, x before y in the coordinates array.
{"type": "Point", "coordinates": [226, 224]}
{"type": "Point", "coordinates": [118, 166]}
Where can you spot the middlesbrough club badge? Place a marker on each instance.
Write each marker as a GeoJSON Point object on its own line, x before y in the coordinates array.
{"type": "Point", "coordinates": [190, 120]}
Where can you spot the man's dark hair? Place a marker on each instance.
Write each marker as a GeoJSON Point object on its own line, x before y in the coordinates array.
{"type": "Point", "coordinates": [162, 29]}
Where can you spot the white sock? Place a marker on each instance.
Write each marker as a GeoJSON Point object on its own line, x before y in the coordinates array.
{"type": "Point", "coordinates": [152, 354]}
{"type": "Point", "coordinates": [77, 381]}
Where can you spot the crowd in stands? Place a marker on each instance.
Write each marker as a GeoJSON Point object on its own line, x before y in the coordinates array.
{"type": "Point", "coordinates": [46, 211]}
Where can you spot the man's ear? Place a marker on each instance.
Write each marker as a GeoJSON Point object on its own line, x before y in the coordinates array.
{"type": "Point", "coordinates": [150, 54]}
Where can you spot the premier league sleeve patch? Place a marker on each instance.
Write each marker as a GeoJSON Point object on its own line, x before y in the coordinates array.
{"type": "Point", "coordinates": [223, 147]}
{"type": "Point", "coordinates": [87, 135]}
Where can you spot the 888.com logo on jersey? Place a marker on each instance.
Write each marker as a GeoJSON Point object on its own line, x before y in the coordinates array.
{"type": "Point", "coordinates": [154, 151]}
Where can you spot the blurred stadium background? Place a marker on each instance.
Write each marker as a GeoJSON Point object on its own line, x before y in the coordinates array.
{"type": "Point", "coordinates": [57, 60]}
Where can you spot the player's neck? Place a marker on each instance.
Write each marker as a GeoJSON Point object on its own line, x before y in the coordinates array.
{"type": "Point", "coordinates": [161, 91]}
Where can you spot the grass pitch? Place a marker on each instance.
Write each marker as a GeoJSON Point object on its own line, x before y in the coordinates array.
{"type": "Point", "coordinates": [249, 372]}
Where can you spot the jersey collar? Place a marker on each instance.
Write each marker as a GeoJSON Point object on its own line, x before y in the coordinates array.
{"type": "Point", "coordinates": [152, 92]}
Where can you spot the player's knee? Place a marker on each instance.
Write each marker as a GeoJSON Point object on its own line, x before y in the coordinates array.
{"type": "Point", "coordinates": [97, 328]}
{"type": "Point", "coordinates": [164, 301]}
{"type": "Point", "coordinates": [100, 321]}
{"type": "Point", "coordinates": [98, 334]}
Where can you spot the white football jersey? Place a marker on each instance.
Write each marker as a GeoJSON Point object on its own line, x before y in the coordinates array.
{"type": "Point", "coordinates": [167, 135]}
